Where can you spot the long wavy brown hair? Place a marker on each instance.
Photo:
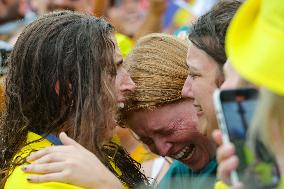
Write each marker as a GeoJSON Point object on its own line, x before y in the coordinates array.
{"type": "Point", "coordinates": [75, 52]}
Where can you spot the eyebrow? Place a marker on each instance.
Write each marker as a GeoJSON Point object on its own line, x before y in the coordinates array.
{"type": "Point", "coordinates": [192, 68]}
{"type": "Point", "coordinates": [162, 130]}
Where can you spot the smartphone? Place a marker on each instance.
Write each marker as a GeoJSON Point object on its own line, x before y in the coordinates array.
{"type": "Point", "coordinates": [235, 110]}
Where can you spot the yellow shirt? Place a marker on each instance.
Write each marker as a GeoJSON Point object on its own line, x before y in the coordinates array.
{"type": "Point", "coordinates": [18, 178]}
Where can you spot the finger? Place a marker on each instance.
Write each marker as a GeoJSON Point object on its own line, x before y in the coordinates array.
{"type": "Point", "coordinates": [217, 136]}
{"type": "Point", "coordinates": [51, 177]}
{"type": "Point", "coordinates": [49, 150]}
{"type": "Point", "coordinates": [43, 168]}
{"type": "Point", "coordinates": [68, 141]}
{"type": "Point", "coordinates": [238, 186]}
{"type": "Point", "coordinates": [226, 167]}
{"type": "Point", "coordinates": [225, 151]}
{"type": "Point", "coordinates": [39, 154]}
{"type": "Point", "coordinates": [51, 158]}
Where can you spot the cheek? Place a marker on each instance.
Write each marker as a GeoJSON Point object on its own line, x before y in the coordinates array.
{"type": "Point", "coordinates": [185, 133]}
{"type": "Point", "coordinates": [197, 87]}
{"type": "Point", "coordinates": [118, 79]}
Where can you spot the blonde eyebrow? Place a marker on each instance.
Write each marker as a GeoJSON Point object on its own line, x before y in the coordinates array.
{"type": "Point", "coordinates": [192, 68]}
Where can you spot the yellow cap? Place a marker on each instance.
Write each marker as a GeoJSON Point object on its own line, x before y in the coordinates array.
{"type": "Point", "coordinates": [255, 43]}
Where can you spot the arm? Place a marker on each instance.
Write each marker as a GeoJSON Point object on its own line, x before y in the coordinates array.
{"type": "Point", "coordinates": [154, 19]}
{"type": "Point", "coordinates": [70, 163]}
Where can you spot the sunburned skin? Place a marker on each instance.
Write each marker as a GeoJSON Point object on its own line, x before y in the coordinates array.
{"type": "Point", "coordinates": [172, 130]}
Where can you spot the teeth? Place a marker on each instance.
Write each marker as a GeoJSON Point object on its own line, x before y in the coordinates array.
{"type": "Point", "coordinates": [189, 155]}
{"type": "Point", "coordinates": [120, 105]}
{"type": "Point", "coordinates": [183, 152]}
{"type": "Point", "coordinates": [179, 155]}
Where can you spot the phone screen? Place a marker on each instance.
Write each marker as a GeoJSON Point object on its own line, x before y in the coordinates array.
{"type": "Point", "coordinates": [238, 107]}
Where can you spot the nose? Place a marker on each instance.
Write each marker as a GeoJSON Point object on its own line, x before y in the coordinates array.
{"type": "Point", "coordinates": [163, 148]}
{"type": "Point", "coordinates": [187, 88]}
{"type": "Point", "coordinates": [128, 84]}
{"type": "Point", "coordinates": [124, 83]}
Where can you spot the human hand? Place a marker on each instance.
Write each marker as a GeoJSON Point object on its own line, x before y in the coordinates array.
{"type": "Point", "coordinates": [69, 163]}
{"type": "Point", "coordinates": [227, 160]}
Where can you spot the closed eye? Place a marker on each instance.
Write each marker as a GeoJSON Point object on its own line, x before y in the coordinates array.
{"type": "Point", "coordinates": [147, 141]}
{"type": "Point", "coordinates": [193, 75]}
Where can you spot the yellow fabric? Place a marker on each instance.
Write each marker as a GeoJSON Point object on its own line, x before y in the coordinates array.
{"type": "Point", "coordinates": [281, 185]}
{"type": "Point", "coordinates": [182, 17]}
{"type": "Point", "coordinates": [18, 179]}
{"type": "Point", "coordinates": [125, 44]}
{"type": "Point", "coordinates": [141, 154]}
{"type": "Point", "coordinates": [254, 43]}
{"type": "Point", "coordinates": [220, 185]}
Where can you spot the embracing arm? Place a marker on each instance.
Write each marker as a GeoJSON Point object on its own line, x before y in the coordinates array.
{"type": "Point", "coordinates": [70, 163]}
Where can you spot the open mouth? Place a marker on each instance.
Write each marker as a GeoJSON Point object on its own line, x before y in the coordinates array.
{"type": "Point", "coordinates": [185, 153]}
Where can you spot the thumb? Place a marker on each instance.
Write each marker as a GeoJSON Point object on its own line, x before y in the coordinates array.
{"type": "Point", "coordinates": [239, 185]}
{"type": "Point", "coordinates": [68, 141]}
{"type": "Point", "coordinates": [217, 136]}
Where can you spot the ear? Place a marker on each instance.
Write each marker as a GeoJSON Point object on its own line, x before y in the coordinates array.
{"type": "Point", "coordinates": [220, 79]}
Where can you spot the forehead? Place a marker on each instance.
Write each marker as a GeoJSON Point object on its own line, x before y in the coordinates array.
{"type": "Point", "coordinates": [199, 60]}
{"type": "Point", "coordinates": [149, 122]}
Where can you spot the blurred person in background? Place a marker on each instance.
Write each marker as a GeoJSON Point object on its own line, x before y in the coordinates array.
{"type": "Point", "coordinates": [12, 10]}
{"type": "Point", "coordinates": [129, 17]}
{"type": "Point", "coordinates": [14, 15]}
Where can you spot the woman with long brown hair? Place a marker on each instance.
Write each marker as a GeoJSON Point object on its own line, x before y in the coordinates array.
{"type": "Point", "coordinates": [61, 78]}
